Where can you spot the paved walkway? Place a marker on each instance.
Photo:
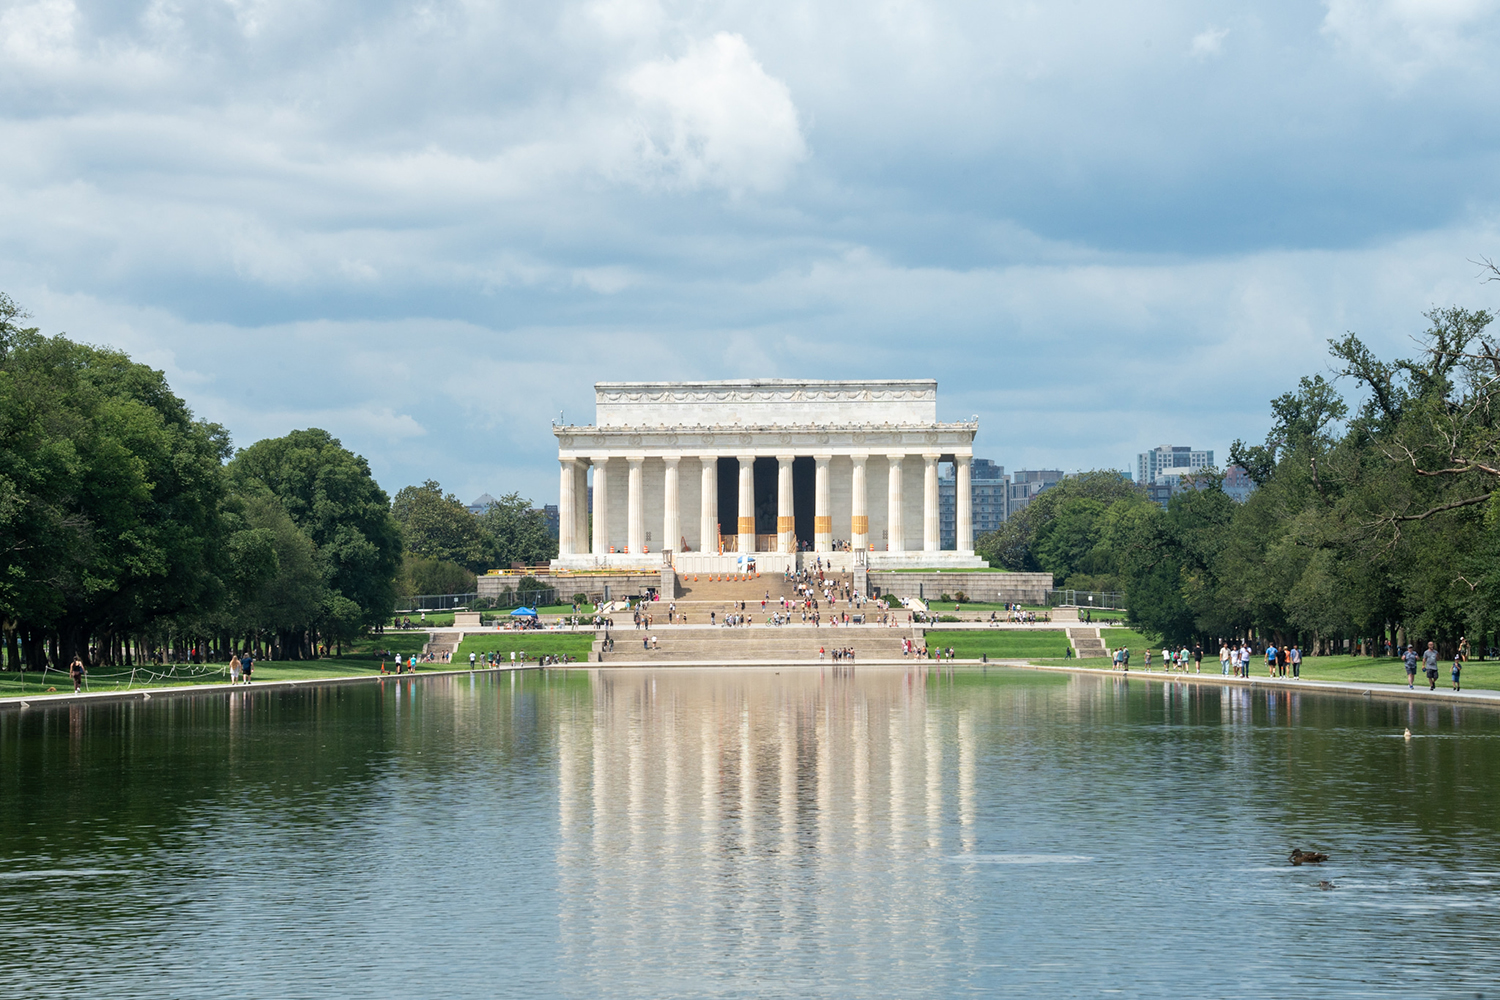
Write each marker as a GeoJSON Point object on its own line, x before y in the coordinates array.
{"type": "Point", "coordinates": [1387, 691]}
{"type": "Point", "coordinates": [147, 694]}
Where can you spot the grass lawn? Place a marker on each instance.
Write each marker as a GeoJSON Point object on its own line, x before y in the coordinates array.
{"type": "Point", "coordinates": [1005, 644]}
{"type": "Point", "coordinates": [576, 644]}
{"type": "Point", "coordinates": [1477, 675]}
{"type": "Point", "coordinates": [179, 675]}
{"type": "Point", "coordinates": [434, 619]}
{"type": "Point", "coordinates": [1137, 643]}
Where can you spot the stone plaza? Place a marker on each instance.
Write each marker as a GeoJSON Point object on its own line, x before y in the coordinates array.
{"type": "Point", "coordinates": [703, 475]}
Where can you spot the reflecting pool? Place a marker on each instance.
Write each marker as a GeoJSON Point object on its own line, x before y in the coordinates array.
{"type": "Point", "coordinates": [748, 832]}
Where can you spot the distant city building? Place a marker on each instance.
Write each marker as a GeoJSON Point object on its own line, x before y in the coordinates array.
{"type": "Point", "coordinates": [550, 513]}
{"type": "Point", "coordinates": [1238, 484]}
{"type": "Point", "coordinates": [1150, 465]}
{"type": "Point", "coordinates": [987, 483]}
{"type": "Point", "coordinates": [482, 504]}
{"type": "Point", "coordinates": [1025, 484]}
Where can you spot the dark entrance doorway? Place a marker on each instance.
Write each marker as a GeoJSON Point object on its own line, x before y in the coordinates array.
{"type": "Point", "coordinates": [804, 498]}
{"type": "Point", "coordinates": [765, 495]}
{"type": "Point", "coordinates": [729, 496]}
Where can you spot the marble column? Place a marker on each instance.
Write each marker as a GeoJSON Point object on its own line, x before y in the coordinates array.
{"type": "Point", "coordinates": [708, 515]}
{"type": "Point", "coordinates": [671, 519]}
{"type": "Point", "coordinates": [965, 499]}
{"type": "Point", "coordinates": [859, 523]}
{"type": "Point", "coordinates": [747, 504]}
{"type": "Point", "coordinates": [580, 505]}
{"type": "Point", "coordinates": [601, 505]}
{"type": "Point", "coordinates": [566, 522]}
{"type": "Point", "coordinates": [932, 537]}
{"type": "Point", "coordinates": [822, 504]}
{"type": "Point", "coordinates": [896, 540]}
{"type": "Point", "coordinates": [786, 522]}
{"type": "Point", "coordinates": [635, 516]}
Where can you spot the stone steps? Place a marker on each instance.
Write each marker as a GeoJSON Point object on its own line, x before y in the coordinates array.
{"type": "Point", "coordinates": [1086, 642]}
{"type": "Point", "coordinates": [755, 642]}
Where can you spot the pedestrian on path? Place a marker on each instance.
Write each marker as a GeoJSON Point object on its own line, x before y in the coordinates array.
{"type": "Point", "coordinates": [1410, 659]}
{"type": "Point", "coordinates": [1458, 665]}
{"type": "Point", "coordinates": [247, 664]}
{"type": "Point", "coordinates": [76, 671]}
{"type": "Point", "coordinates": [234, 669]}
{"type": "Point", "coordinates": [1429, 662]}
{"type": "Point", "coordinates": [1296, 657]}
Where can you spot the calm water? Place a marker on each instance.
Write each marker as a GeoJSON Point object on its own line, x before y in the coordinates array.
{"type": "Point", "coordinates": [748, 833]}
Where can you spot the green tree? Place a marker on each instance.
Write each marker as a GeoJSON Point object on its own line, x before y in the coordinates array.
{"type": "Point", "coordinates": [440, 527]}
{"type": "Point", "coordinates": [517, 532]}
{"type": "Point", "coordinates": [110, 494]}
{"type": "Point", "coordinates": [1012, 545]}
{"type": "Point", "coordinates": [329, 493]}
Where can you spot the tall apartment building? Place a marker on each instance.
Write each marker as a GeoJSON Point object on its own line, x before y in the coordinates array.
{"type": "Point", "coordinates": [1025, 484]}
{"type": "Point", "coordinates": [987, 482]}
{"type": "Point", "coordinates": [1170, 458]}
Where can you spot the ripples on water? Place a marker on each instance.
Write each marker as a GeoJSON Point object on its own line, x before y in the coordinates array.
{"type": "Point", "coordinates": [746, 834]}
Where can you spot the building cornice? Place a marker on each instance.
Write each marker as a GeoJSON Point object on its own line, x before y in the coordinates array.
{"type": "Point", "coordinates": [760, 439]}
{"type": "Point", "coordinates": [772, 390]}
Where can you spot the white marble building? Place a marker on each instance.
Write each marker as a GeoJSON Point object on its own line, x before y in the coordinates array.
{"type": "Point", "coordinates": [712, 470]}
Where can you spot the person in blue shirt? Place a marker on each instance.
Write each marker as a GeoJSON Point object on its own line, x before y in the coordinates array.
{"type": "Point", "coordinates": [1271, 659]}
{"type": "Point", "coordinates": [1411, 665]}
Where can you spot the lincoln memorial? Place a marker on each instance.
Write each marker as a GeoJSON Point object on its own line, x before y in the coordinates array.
{"type": "Point", "coordinates": [787, 470]}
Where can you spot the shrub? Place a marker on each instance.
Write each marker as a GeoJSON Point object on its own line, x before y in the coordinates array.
{"type": "Point", "coordinates": [580, 598]}
{"type": "Point", "coordinates": [961, 597]}
{"type": "Point", "coordinates": [945, 598]}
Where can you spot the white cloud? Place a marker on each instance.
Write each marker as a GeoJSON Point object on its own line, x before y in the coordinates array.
{"type": "Point", "coordinates": [1407, 39]}
{"type": "Point", "coordinates": [1208, 42]}
{"type": "Point", "coordinates": [715, 117]}
{"type": "Point", "coordinates": [39, 33]}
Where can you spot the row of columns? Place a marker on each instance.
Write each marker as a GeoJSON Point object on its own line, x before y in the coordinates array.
{"type": "Point", "coordinates": [573, 515]}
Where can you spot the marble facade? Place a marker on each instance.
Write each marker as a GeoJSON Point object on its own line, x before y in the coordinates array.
{"type": "Point", "coordinates": [707, 471]}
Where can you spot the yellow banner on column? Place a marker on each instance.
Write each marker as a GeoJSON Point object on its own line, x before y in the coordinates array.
{"type": "Point", "coordinates": [747, 525]}
{"type": "Point", "coordinates": [785, 524]}
{"type": "Point", "coordinates": [823, 525]}
{"type": "Point", "coordinates": [860, 524]}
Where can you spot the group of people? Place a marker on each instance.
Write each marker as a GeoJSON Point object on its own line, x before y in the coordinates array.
{"type": "Point", "coordinates": [845, 653]}
{"type": "Point", "coordinates": [241, 667]}
{"type": "Point", "coordinates": [1430, 664]}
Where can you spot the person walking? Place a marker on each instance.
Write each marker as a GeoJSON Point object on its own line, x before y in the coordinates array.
{"type": "Point", "coordinates": [1197, 657]}
{"type": "Point", "coordinates": [76, 671]}
{"type": "Point", "coordinates": [1295, 656]}
{"type": "Point", "coordinates": [1410, 658]}
{"type": "Point", "coordinates": [1429, 663]}
{"type": "Point", "coordinates": [247, 663]}
{"type": "Point", "coordinates": [1224, 659]}
{"type": "Point", "coordinates": [1458, 665]}
{"type": "Point", "coordinates": [1271, 659]}
{"type": "Point", "coordinates": [234, 669]}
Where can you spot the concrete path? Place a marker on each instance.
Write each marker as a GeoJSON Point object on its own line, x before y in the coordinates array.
{"type": "Point", "coordinates": [148, 694]}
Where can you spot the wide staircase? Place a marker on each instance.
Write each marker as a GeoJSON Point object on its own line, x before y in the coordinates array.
{"type": "Point", "coordinates": [784, 644]}
{"type": "Point", "coordinates": [797, 642]}
{"type": "Point", "coordinates": [1086, 642]}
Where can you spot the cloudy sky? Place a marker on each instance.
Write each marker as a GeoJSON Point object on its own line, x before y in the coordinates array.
{"type": "Point", "coordinates": [1101, 225]}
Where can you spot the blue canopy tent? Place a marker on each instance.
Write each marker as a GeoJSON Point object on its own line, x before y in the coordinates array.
{"type": "Point", "coordinates": [524, 612]}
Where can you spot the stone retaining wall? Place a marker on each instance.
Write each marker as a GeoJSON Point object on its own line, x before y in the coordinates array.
{"type": "Point", "coordinates": [1003, 588]}
{"type": "Point", "coordinates": [620, 584]}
